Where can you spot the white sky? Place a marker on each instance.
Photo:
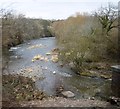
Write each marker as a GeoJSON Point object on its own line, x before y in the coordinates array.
{"type": "Point", "coordinates": [53, 9]}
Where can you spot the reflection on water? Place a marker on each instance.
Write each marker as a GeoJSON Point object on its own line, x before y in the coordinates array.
{"type": "Point", "coordinates": [54, 75]}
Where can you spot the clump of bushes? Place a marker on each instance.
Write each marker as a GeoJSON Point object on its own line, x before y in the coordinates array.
{"type": "Point", "coordinates": [83, 39]}
{"type": "Point", "coordinates": [18, 88]}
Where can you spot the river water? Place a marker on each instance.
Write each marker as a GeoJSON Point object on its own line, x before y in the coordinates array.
{"type": "Point", "coordinates": [51, 75]}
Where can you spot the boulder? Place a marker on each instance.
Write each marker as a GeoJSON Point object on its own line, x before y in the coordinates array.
{"type": "Point", "coordinates": [68, 94]}
{"type": "Point", "coordinates": [54, 58]}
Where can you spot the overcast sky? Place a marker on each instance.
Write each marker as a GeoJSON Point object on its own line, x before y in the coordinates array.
{"type": "Point", "coordinates": [53, 9]}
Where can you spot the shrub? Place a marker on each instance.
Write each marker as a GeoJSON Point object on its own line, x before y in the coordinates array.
{"type": "Point", "coordinates": [82, 40]}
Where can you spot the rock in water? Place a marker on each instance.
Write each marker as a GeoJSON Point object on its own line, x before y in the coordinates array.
{"type": "Point", "coordinates": [68, 94]}
{"type": "Point", "coordinates": [48, 53]}
{"type": "Point", "coordinates": [54, 72]}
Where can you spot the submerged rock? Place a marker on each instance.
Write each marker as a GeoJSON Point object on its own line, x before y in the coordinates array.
{"type": "Point", "coordinates": [106, 76]}
{"type": "Point", "coordinates": [61, 64]}
{"type": "Point", "coordinates": [40, 57]}
{"type": "Point", "coordinates": [55, 50]}
{"type": "Point", "coordinates": [114, 101]}
{"type": "Point", "coordinates": [44, 68]}
{"type": "Point", "coordinates": [35, 46]}
{"type": "Point", "coordinates": [89, 74]}
{"type": "Point", "coordinates": [13, 48]}
{"type": "Point", "coordinates": [37, 57]}
{"type": "Point", "coordinates": [28, 70]}
{"type": "Point", "coordinates": [71, 64]}
{"type": "Point", "coordinates": [59, 90]}
{"type": "Point", "coordinates": [15, 57]}
{"type": "Point", "coordinates": [68, 94]}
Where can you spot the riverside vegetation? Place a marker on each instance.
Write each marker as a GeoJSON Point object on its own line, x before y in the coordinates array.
{"type": "Point", "coordinates": [19, 88]}
{"type": "Point", "coordinates": [84, 41]}
{"type": "Point", "coordinates": [86, 38]}
{"type": "Point", "coordinates": [17, 29]}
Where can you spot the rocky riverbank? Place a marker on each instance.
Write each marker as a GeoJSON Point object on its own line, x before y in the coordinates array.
{"type": "Point", "coordinates": [18, 88]}
{"type": "Point", "coordinates": [66, 102]}
{"type": "Point", "coordinates": [19, 91]}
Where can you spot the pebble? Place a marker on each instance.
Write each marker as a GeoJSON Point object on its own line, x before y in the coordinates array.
{"type": "Point", "coordinates": [54, 72]}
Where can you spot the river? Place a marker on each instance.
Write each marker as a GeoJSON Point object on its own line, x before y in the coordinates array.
{"type": "Point", "coordinates": [51, 75]}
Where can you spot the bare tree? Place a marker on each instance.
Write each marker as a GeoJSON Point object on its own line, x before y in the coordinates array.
{"type": "Point", "coordinates": [108, 17]}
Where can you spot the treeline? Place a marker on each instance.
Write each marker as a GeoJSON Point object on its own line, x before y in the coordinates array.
{"type": "Point", "coordinates": [16, 28]}
{"type": "Point", "coordinates": [86, 38]}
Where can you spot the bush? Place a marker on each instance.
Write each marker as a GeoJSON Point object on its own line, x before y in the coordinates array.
{"type": "Point", "coordinates": [82, 40]}
{"type": "Point", "coordinates": [18, 88]}
{"type": "Point", "coordinates": [17, 29]}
